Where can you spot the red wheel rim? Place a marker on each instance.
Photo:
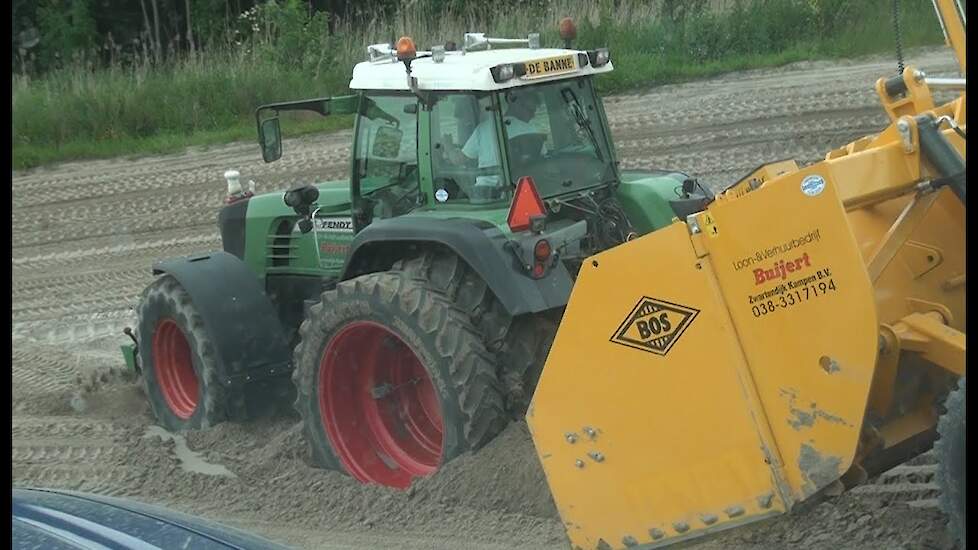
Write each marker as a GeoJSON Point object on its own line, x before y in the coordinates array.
{"type": "Point", "coordinates": [379, 406]}
{"type": "Point", "coordinates": [174, 368]}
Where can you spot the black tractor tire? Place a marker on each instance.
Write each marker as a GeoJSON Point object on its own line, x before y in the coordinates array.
{"type": "Point", "coordinates": [528, 344]}
{"type": "Point", "coordinates": [165, 306]}
{"type": "Point", "coordinates": [521, 344]}
{"type": "Point", "coordinates": [438, 333]}
{"type": "Point", "coordinates": [951, 465]}
{"type": "Point", "coordinates": [445, 272]}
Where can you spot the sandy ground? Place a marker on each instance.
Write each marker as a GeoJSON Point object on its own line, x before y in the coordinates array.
{"type": "Point", "coordinates": [85, 234]}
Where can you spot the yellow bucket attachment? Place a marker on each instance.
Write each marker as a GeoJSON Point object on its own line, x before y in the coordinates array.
{"type": "Point", "coordinates": [711, 374]}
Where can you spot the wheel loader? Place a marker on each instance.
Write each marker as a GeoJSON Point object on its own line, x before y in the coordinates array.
{"type": "Point", "coordinates": [406, 310]}
{"type": "Point", "coordinates": [801, 334]}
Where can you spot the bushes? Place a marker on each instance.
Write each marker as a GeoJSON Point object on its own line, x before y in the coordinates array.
{"type": "Point", "coordinates": [286, 34]}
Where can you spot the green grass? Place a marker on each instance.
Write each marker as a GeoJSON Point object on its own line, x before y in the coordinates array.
{"type": "Point", "coordinates": [78, 112]}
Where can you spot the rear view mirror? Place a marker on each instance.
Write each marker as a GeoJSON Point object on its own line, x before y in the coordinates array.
{"type": "Point", "coordinates": [269, 132]}
{"type": "Point", "coordinates": [270, 138]}
{"type": "Point", "coordinates": [387, 143]}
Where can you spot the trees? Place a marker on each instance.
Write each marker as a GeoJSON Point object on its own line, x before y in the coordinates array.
{"type": "Point", "coordinates": [51, 33]}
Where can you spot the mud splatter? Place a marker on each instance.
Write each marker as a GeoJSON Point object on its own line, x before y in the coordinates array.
{"type": "Point", "coordinates": [819, 470]}
{"type": "Point", "coordinates": [190, 461]}
{"type": "Point", "coordinates": [802, 418]}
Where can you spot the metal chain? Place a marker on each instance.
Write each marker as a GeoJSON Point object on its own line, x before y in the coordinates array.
{"type": "Point", "coordinates": [896, 35]}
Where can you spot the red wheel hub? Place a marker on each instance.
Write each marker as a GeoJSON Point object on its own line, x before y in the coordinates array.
{"type": "Point", "coordinates": [174, 368]}
{"type": "Point", "coordinates": [379, 406]}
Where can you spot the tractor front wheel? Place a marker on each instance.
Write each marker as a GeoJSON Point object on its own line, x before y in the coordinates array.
{"type": "Point", "coordinates": [177, 359]}
{"type": "Point", "coordinates": [393, 381]}
{"type": "Point", "coordinates": [950, 452]}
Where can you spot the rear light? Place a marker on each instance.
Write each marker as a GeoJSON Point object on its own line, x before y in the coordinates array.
{"type": "Point", "coordinates": [542, 250]}
{"type": "Point", "coordinates": [541, 258]}
{"type": "Point", "coordinates": [526, 205]}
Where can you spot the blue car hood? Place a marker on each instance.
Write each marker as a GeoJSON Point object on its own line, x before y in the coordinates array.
{"type": "Point", "coordinates": [69, 520]}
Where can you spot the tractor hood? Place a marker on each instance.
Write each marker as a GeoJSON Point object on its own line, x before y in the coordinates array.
{"type": "Point", "coordinates": [271, 241]}
{"type": "Point", "coordinates": [334, 196]}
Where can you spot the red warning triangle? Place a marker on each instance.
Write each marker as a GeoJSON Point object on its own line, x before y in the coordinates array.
{"type": "Point", "coordinates": [526, 204]}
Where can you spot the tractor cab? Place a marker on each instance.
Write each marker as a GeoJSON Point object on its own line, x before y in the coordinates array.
{"type": "Point", "coordinates": [489, 115]}
{"type": "Point", "coordinates": [502, 133]}
{"type": "Point", "coordinates": [455, 128]}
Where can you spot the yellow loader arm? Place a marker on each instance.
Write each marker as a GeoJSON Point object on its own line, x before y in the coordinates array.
{"type": "Point", "coordinates": [793, 339]}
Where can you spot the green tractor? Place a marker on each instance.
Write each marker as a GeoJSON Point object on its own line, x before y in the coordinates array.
{"type": "Point", "coordinates": [409, 309]}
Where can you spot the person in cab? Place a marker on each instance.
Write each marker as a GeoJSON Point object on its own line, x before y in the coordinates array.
{"type": "Point", "coordinates": [524, 138]}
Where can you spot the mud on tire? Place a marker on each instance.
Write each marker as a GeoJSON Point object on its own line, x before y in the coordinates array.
{"type": "Point", "coordinates": [528, 344]}
{"type": "Point", "coordinates": [950, 453]}
{"type": "Point", "coordinates": [435, 331]}
{"type": "Point", "coordinates": [521, 344]}
{"type": "Point", "coordinates": [445, 272]}
{"type": "Point", "coordinates": [166, 307]}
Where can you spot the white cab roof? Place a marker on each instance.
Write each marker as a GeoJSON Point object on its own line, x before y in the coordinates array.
{"type": "Point", "coordinates": [458, 71]}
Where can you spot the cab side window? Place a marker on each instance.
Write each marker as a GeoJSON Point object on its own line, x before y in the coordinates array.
{"type": "Point", "coordinates": [386, 153]}
{"type": "Point", "coordinates": [464, 145]}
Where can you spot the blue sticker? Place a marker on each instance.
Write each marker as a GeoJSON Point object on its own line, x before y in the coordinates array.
{"type": "Point", "coordinates": [813, 185]}
{"type": "Point", "coordinates": [441, 195]}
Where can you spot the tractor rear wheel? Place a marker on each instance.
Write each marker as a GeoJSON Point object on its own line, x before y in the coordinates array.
{"type": "Point", "coordinates": [392, 380]}
{"type": "Point", "coordinates": [521, 344]}
{"type": "Point", "coordinates": [527, 346]}
{"type": "Point", "coordinates": [950, 452]}
{"type": "Point", "coordinates": [177, 359]}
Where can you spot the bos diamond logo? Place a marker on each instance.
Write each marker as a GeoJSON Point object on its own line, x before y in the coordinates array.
{"type": "Point", "coordinates": [654, 325]}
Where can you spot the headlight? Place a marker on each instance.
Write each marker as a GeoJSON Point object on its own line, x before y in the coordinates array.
{"type": "Point", "coordinates": [502, 73]}
{"type": "Point", "coordinates": [599, 57]}
{"type": "Point", "coordinates": [505, 72]}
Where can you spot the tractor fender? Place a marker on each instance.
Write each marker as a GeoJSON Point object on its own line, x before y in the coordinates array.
{"type": "Point", "coordinates": [238, 316]}
{"type": "Point", "coordinates": [480, 244]}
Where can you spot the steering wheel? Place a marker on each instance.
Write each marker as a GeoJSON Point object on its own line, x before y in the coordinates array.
{"type": "Point", "coordinates": [526, 147]}
{"type": "Point", "coordinates": [391, 203]}
{"type": "Point", "coordinates": [388, 197]}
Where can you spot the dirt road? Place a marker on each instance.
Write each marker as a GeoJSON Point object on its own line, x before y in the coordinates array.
{"type": "Point", "coordinates": [85, 234]}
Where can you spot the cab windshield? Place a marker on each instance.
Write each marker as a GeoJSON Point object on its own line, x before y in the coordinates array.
{"type": "Point", "coordinates": [554, 134]}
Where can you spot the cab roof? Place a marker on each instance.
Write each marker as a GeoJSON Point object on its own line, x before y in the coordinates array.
{"type": "Point", "coordinates": [461, 70]}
